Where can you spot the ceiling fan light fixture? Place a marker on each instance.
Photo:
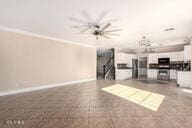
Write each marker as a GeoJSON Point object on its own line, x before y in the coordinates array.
{"type": "Point", "coordinates": [145, 45]}
{"type": "Point", "coordinates": [144, 42]}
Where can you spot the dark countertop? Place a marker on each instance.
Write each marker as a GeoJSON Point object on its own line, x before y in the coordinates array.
{"type": "Point", "coordinates": [125, 68]}
{"type": "Point", "coordinates": [174, 65]}
{"type": "Point", "coordinates": [184, 70]}
{"type": "Point", "coordinates": [172, 69]}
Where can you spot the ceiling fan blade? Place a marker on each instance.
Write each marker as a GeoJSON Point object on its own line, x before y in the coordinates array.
{"type": "Point", "coordinates": [105, 36]}
{"type": "Point", "coordinates": [77, 20]}
{"type": "Point", "coordinates": [84, 33]}
{"type": "Point", "coordinates": [108, 21]}
{"type": "Point", "coordinates": [101, 17]}
{"type": "Point", "coordinates": [105, 27]}
{"type": "Point", "coordinates": [92, 26]}
{"type": "Point", "coordinates": [80, 26]}
{"type": "Point", "coordinates": [84, 30]}
{"type": "Point", "coordinates": [114, 30]}
{"type": "Point", "coordinates": [87, 16]}
{"type": "Point", "coordinates": [112, 34]}
{"type": "Point", "coordinates": [78, 33]}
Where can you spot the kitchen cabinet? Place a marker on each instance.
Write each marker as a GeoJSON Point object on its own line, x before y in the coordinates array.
{"type": "Point", "coordinates": [177, 56]}
{"type": "Point", "coordinates": [184, 78]}
{"type": "Point", "coordinates": [123, 74]}
{"type": "Point", "coordinates": [126, 58]}
{"type": "Point", "coordinates": [187, 53]}
{"type": "Point", "coordinates": [174, 56]}
{"type": "Point", "coordinates": [164, 55]}
{"type": "Point", "coordinates": [180, 56]}
{"type": "Point", "coordinates": [173, 74]}
{"type": "Point", "coordinates": [152, 73]}
{"type": "Point", "coordinates": [153, 58]}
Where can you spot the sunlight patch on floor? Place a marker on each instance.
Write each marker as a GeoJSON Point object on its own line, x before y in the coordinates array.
{"type": "Point", "coordinates": [144, 98]}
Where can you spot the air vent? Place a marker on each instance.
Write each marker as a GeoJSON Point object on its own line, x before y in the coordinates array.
{"type": "Point", "coordinates": [169, 29]}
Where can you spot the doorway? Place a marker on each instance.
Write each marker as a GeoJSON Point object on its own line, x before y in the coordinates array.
{"type": "Point", "coordinates": [134, 68]}
{"type": "Point", "coordinates": [105, 64]}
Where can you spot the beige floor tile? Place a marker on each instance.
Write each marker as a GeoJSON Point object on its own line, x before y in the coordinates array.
{"type": "Point", "coordinates": [86, 105]}
{"type": "Point", "coordinates": [100, 123]}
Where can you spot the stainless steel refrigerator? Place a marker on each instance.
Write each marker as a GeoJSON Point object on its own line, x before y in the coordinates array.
{"type": "Point", "coordinates": [134, 68]}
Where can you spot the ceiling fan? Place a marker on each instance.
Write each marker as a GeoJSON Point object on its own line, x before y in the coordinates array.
{"type": "Point", "coordinates": [95, 27]}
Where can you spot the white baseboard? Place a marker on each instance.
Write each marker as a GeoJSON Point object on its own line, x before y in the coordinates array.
{"type": "Point", "coordinates": [15, 91]}
{"type": "Point", "coordinates": [187, 90]}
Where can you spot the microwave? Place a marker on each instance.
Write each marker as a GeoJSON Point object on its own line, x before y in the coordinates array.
{"type": "Point", "coordinates": [163, 60]}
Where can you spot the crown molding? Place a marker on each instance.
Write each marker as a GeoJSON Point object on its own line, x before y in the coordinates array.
{"type": "Point", "coordinates": [27, 33]}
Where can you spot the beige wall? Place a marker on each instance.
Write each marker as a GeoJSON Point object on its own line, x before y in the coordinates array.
{"type": "Point", "coordinates": [27, 61]}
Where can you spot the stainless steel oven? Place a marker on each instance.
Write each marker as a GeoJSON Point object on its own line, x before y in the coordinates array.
{"type": "Point", "coordinates": [163, 74]}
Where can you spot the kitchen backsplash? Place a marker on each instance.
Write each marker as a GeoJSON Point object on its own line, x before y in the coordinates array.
{"type": "Point", "coordinates": [175, 65]}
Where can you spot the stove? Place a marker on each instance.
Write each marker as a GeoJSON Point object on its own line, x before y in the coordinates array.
{"type": "Point", "coordinates": [163, 74]}
{"type": "Point", "coordinates": [164, 69]}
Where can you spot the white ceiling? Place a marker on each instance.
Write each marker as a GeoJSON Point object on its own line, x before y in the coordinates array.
{"type": "Point", "coordinates": [137, 18]}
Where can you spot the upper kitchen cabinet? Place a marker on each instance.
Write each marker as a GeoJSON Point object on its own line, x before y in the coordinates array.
{"type": "Point", "coordinates": [187, 52]}
{"type": "Point", "coordinates": [153, 58]}
{"type": "Point", "coordinates": [122, 57]}
{"type": "Point", "coordinates": [174, 56]}
{"type": "Point", "coordinates": [181, 56]}
{"type": "Point", "coordinates": [164, 55]}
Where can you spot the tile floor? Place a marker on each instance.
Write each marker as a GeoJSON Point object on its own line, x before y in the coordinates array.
{"type": "Point", "coordinates": [86, 105]}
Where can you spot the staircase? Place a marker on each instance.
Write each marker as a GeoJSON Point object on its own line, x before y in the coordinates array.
{"type": "Point", "coordinates": [109, 69]}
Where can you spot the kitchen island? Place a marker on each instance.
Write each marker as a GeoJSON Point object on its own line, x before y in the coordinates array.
{"type": "Point", "coordinates": [123, 73]}
{"type": "Point", "coordinates": [184, 78]}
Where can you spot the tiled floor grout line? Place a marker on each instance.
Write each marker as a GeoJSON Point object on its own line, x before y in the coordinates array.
{"type": "Point", "coordinates": [133, 94]}
{"type": "Point", "coordinates": [145, 98]}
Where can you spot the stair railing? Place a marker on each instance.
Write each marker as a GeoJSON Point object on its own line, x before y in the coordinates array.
{"type": "Point", "coordinates": [109, 69]}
